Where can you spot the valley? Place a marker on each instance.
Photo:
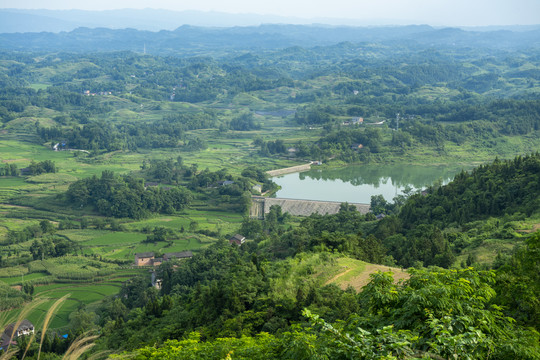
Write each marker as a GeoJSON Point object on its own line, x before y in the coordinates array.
{"type": "Point", "coordinates": [429, 153]}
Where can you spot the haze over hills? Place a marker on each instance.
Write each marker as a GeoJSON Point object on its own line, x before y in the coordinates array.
{"type": "Point", "coordinates": [38, 20]}
{"type": "Point", "coordinates": [188, 39]}
{"type": "Point", "coordinates": [22, 20]}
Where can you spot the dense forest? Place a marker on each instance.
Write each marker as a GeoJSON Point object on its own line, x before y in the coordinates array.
{"type": "Point", "coordinates": [110, 154]}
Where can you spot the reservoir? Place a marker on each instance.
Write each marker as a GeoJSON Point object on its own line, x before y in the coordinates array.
{"type": "Point", "coordinates": [356, 184]}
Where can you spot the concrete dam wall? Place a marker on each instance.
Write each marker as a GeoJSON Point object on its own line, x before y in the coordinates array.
{"type": "Point", "coordinates": [261, 206]}
{"type": "Point", "coordinates": [289, 170]}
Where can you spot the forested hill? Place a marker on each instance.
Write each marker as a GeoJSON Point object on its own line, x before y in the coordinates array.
{"type": "Point", "coordinates": [262, 37]}
{"type": "Point", "coordinates": [504, 187]}
{"type": "Point", "coordinates": [432, 226]}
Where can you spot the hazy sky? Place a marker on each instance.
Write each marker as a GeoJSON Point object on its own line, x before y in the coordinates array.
{"type": "Point", "coordinates": [433, 12]}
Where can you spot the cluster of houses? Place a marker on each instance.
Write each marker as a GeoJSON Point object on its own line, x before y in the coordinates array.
{"type": "Point", "coordinates": [354, 121]}
{"type": "Point", "coordinates": [11, 333]}
{"type": "Point", "coordinates": [102, 93]}
{"type": "Point", "coordinates": [153, 184]}
{"type": "Point", "coordinates": [149, 258]}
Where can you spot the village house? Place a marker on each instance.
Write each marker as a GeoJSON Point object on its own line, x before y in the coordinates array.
{"type": "Point", "coordinates": [10, 333]}
{"type": "Point", "coordinates": [148, 184]}
{"type": "Point", "coordinates": [292, 151]}
{"type": "Point", "coordinates": [25, 171]}
{"type": "Point", "coordinates": [354, 121]}
{"type": "Point", "coordinates": [257, 189]}
{"type": "Point", "coordinates": [237, 239]}
{"type": "Point", "coordinates": [178, 255]}
{"type": "Point", "coordinates": [144, 259]}
{"type": "Point", "coordinates": [225, 182]}
{"type": "Point", "coordinates": [149, 259]}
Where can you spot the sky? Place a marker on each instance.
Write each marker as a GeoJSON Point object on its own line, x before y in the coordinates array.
{"type": "Point", "coordinates": [432, 12]}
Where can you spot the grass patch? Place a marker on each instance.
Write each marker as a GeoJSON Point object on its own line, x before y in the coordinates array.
{"type": "Point", "coordinates": [116, 238]}
{"type": "Point", "coordinates": [81, 235]}
{"type": "Point", "coordinates": [23, 278]}
{"type": "Point", "coordinates": [11, 182]}
{"type": "Point", "coordinates": [51, 179]}
{"type": "Point", "coordinates": [352, 267]}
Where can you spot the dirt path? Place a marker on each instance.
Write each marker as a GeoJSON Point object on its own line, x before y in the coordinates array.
{"type": "Point", "coordinates": [534, 229]}
{"type": "Point", "coordinates": [363, 279]}
{"type": "Point", "coordinates": [16, 206]}
{"type": "Point", "coordinates": [337, 276]}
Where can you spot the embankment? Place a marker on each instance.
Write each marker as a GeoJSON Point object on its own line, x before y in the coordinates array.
{"type": "Point", "coordinates": [289, 170]}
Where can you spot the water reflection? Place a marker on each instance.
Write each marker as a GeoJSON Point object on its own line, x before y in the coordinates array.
{"type": "Point", "coordinates": [359, 183]}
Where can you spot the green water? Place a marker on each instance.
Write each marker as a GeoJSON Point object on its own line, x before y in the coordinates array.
{"type": "Point", "coordinates": [356, 184]}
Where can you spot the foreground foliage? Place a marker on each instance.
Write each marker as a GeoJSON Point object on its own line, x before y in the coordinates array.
{"type": "Point", "coordinates": [444, 314]}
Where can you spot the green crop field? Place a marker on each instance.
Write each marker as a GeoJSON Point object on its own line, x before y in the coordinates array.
{"type": "Point", "coordinates": [82, 235]}
{"type": "Point", "coordinates": [23, 278]}
{"type": "Point", "coordinates": [80, 294]}
{"type": "Point", "coordinates": [11, 182]}
{"type": "Point", "coordinates": [116, 238]}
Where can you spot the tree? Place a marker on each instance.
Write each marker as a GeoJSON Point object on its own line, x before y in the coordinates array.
{"type": "Point", "coordinates": [518, 283]}
{"type": "Point", "coordinates": [251, 228]}
{"type": "Point", "coordinates": [47, 227]}
{"type": "Point", "coordinates": [378, 204]}
{"type": "Point", "coordinates": [81, 321]}
{"type": "Point", "coordinates": [244, 122]}
{"type": "Point", "coordinates": [28, 288]}
{"type": "Point", "coordinates": [193, 225]}
{"type": "Point", "coordinates": [159, 233]}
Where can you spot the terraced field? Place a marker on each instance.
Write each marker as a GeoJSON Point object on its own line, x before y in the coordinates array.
{"type": "Point", "coordinates": [357, 273]}
{"type": "Point", "coordinates": [80, 294]}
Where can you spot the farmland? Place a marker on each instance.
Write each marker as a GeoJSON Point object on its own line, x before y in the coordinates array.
{"type": "Point", "coordinates": [105, 155]}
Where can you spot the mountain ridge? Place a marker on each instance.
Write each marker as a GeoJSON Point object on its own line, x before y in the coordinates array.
{"type": "Point", "coordinates": [262, 37]}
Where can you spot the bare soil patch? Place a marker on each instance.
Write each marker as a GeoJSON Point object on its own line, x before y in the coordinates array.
{"type": "Point", "coordinates": [9, 161]}
{"type": "Point", "coordinates": [534, 229]}
{"type": "Point", "coordinates": [363, 279]}
{"type": "Point", "coordinates": [16, 206]}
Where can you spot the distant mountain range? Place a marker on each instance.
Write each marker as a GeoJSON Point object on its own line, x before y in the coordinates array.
{"type": "Point", "coordinates": [166, 32]}
{"type": "Point", "coordinates": [21, 20]}
{"type": "Point", "coordinates": [193, 39]}
{"type": "Point", "coordinates": [24, 20]}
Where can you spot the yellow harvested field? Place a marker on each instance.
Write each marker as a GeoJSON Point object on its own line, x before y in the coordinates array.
{"type": "Point", "coordinates": [361, 280]}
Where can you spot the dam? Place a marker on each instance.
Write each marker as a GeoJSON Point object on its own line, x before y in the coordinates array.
{"type": "Point", "coordinates": [261, 205]}
{"type": "Point", "coordinates": [289, 170]}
